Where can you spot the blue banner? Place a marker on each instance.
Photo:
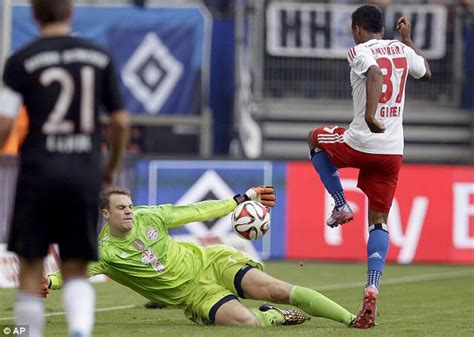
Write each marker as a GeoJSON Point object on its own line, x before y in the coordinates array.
{"type": "Point", "coordinates": [185, 182]}
{"type": "Point", "coordinates": [159, 52]}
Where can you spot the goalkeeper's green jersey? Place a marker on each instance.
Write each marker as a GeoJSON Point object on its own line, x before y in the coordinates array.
{"type": "Point", "coordinates": [148, 260]}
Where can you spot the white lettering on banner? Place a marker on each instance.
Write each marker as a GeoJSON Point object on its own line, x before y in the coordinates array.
{"type": "Point", "coordinates": [302, 29]}
{"type": "Point", "coordinates": [463, 212]}
{"type": "Point", "coordinates": [333, 236]}
{"type": "Point", "coordinates": [407, 242]}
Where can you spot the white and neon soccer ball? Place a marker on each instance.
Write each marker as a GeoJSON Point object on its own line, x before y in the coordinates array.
{"type": "Point", "coordinates": [251, 220]}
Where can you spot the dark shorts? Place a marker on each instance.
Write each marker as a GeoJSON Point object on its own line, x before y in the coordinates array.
{"type": "Point", "coordinates": [45, 214]}
{"type": "Point", "coordinates": [378, 173]}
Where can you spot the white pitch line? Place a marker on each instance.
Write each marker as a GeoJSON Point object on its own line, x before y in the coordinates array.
{"type": "Point", "coordinates": [63, 313]}
{"type": "Point", "coordinates": [405, 279]}
{"type": "Point", "coordinates": [398, 280]}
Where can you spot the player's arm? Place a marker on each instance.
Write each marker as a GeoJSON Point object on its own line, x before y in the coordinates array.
{"type": "Point", "coordinates": [175, 216]}
{"type": "Point", "coordinates": [364, 65]}
{"type": "Point", "coordinates": [55, 281]}
{"type": "Point", "coordinates": [404, 27]}
{"type": "Point", "coordinates": [373, 91]}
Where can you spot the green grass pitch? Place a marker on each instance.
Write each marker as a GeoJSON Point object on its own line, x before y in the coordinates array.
{"type": "Point", "coordinates": [415, 300]}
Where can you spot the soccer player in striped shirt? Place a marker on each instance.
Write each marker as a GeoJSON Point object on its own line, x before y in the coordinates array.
{"type": "Point", "coordinates": [373, 143]}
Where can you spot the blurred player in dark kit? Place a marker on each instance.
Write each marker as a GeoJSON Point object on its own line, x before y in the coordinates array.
{"type": "Point", "coordinates": [63, 81]}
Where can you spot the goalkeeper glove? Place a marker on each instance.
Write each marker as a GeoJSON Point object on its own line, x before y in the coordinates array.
{"type": "Point", "coordinates": [262, 194]}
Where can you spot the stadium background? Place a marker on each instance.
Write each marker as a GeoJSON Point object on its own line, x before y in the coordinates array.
{"type": "Point", "coordinates": [223, 93]}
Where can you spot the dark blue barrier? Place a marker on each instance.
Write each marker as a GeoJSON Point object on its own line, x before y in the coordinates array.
{"type": "Point", "coordinates": [468, 87]}
{"type": "Point", "coordinates": [222, 84]}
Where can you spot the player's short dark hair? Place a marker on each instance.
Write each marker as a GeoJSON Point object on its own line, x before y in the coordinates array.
{"type": "Point", "coordinates": [50, 11]}
{"type": "Point", "coordinates": [105, 195]}
{"type": "Point", "coordinates": [368, 17]}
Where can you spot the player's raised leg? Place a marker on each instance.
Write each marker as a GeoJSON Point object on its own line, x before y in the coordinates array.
{"type": "Point", "coordinates": [261, 286]}
{"type": "Point", "coordinates": [320, 140]}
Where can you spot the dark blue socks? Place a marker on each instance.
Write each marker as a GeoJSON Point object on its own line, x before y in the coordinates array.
{"type": "Point", "coordinates": [339, 199]}
{"type": "Point", "coordinates": [377, 248]}
{"type": "Point", "coordinates": [329, 176]}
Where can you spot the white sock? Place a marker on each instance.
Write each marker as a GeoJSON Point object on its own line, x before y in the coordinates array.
{"type": "Point", "coordinates": [79, 303]}
{"type": "Point", "coordinates": [29, 310]}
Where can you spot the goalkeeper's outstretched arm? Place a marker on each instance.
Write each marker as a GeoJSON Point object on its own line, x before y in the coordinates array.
{"type": "Point", "coordinates": [175, 216]}
{"type": "Point", "coordinates": [54, 281]}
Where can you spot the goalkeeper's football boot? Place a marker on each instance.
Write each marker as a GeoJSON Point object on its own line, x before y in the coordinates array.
{"type": "Point", "coordinates": [340, 216]}
{"type": "Point", "coordinates": [365, 318]}
{"type": "Point", "coordinates": [292, 316]}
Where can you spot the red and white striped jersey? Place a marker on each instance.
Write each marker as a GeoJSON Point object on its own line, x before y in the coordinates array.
{"type": "Point", "coordinates": [395, 60]}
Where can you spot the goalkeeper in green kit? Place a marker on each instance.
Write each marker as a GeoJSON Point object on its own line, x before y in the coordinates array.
{"type": "Point", "coordinates": [136, 251]}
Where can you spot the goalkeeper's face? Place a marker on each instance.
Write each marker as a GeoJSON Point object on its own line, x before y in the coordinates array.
{"type": "Point", "coordinates": [119, 215]}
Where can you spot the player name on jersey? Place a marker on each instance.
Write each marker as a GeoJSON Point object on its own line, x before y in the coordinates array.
{"type": "Point", "coordinates": [77, 55]}
{"type": "Point", "coordinates": [77, 143]}
{"type": "Point", "coordinates": [390, 111]}
{"type": "Point", "coordinates": [388, 50]}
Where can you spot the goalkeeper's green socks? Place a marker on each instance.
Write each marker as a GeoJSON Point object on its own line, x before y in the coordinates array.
{"type": "Point", "coordinates": [318, 305]}
{"type": "Point", "coordinates": [268, 318]}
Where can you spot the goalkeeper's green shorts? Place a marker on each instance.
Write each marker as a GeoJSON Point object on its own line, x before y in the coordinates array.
{"type": "Point", "coordinates": [216, 283]}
